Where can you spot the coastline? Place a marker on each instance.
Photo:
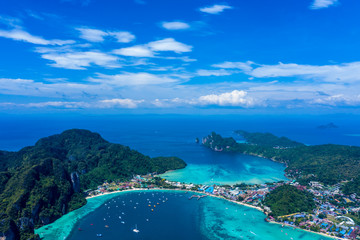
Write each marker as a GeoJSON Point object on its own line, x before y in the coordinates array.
{"type": "Point", "coordinates": [319, 233]}
{"type": "Point", "coordinates": [69, 220]}
{"type": "Point", "coordinates": [180, 190]}
{"type": "Point", "coordinates": [219, 197]}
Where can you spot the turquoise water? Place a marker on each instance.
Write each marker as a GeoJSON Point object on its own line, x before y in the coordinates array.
{"type": "Point", "coordinates": [231, 169]}
{"type": "Point", "coordinates": [176, 218]}
{"type": "Point", "coordinates": [221, 219]}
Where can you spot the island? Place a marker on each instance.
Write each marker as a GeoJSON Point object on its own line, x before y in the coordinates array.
{"type": "Point", "coordinates": [327, 126]}
{"type": "Point", "coordinates": [41, 183]}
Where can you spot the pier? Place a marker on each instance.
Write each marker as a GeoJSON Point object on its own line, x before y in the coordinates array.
{"type": "Point", "coordinates": [197, 196]}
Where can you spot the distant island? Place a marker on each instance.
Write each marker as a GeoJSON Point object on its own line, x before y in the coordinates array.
{"type": "Point", "coordinates": [327, 126]}
{"type": "Point", "coordinates": [39, 184]}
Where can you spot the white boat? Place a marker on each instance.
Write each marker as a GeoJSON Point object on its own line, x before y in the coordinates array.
{"type": "Point", "coordinates": [136, 230]}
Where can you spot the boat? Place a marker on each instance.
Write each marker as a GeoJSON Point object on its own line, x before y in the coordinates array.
{"type": "Point", "coordinates": [99, 235]}
{"type": "Point", "coordinates": [136, 230]}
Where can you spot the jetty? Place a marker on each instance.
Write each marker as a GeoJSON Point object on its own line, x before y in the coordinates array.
{"type": "Point", "coordinates": [197, 196]}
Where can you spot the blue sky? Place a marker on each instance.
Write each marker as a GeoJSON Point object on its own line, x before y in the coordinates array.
{"type": "Point", "coordinates": [186, 56]}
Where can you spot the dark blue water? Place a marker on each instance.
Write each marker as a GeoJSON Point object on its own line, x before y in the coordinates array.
{"type": "Point", "coordinates": [175, 216]}
{"type": "Point", "coordinates": [170, 134]}
{"type": "Point", "coordinates": [114, 216]}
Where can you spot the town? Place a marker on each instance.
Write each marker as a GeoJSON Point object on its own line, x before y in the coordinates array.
{"type": "Point", "coordinates": [335, 215]}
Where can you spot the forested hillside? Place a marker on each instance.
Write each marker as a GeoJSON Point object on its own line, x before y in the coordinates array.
{"type": "Point", "coordinates": [329, 163]}
{"type": "Point", "coordinates": [41, 183]}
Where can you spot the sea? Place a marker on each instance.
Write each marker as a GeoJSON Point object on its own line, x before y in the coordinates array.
{"type": "Point", "coordinates": [174, 135]}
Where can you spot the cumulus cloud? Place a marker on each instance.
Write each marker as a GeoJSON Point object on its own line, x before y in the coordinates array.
{"type": "Point", "coordinates": [21, 35]}
{"type": "Point", "coordinates": [235, 98]}
{"type": "Point", "coordinates": [96, 35]}
{"type": "Point", "coordinates": [215, 9]}
{"type": "Point", "coordinates": [134, 79]}
{"type": "Point", "coordinates": [175, 25]}
{"type": "Point", "coordinates": [317, 4]}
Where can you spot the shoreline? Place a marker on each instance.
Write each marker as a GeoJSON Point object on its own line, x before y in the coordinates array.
{"type": "Point", "coordinates": [220, 197]}
{"type": "Point", "coordinates": [319, 233]}
{"type": "Point", "coordinates": [180, 190]}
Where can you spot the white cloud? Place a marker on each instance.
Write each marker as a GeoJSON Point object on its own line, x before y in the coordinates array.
{"type": "Point", "coordinates": [28, 87]}
{"type": "Point", "coordinates": [175, 25]}
{"type": "Point", "coordinates": [135, 51]}
{"type": "Point", "coordinates": [206, 73]}
{"type": "Point", "coordinates": [134, 79]}
{"type": "Point", "coordinates": [346, 72]}
{"type": "Point", "coordinates": [21, 35]}
{"type": "Point", "coordinates": [96, 35]}
{"type": "Point", "coordinates": [337, 100]}
{"type": "Point", "coordinates": [92, 35]}
{"type": "Point", "coordinates": [78, 60]}
{"type": "Point", "coordinates": [215, 9]}
{"type": "Point", "coordinates": [123, 37]}
{"type": "Point", "coordinates": [107, 103]}
{"type": "Point", "coordinates": [317, 4]}
{"type": "Point", "coordinates": [151, 49]}
{"type": "Point", "coordinates": [169, 44]}
{"type": "Point", "coordinates": [234, 98]}
{"type": "Point", "coordinates": [184, 58]}
{"type": "Point", "coordinates": [245, 66]}
{"type": "Point", "coordinates": [119, 102]}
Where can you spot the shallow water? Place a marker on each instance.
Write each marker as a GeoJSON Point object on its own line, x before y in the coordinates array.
{"type": "Point", "coordinates": [175, 217]}
{"type": "Point", "coordinates": [230, 169]}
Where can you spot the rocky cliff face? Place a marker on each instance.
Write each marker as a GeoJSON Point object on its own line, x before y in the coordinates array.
{"type": "Point", "coordinates": [75, 181]}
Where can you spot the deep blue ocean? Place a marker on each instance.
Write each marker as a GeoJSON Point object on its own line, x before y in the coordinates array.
{"type": "Point", "coordinates": [173, 135]}
{"type": "Point", "coordinates": [168, 134]}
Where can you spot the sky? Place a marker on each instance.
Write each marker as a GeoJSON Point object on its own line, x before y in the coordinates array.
{"type": "Point", "coordinates": [180, 56]}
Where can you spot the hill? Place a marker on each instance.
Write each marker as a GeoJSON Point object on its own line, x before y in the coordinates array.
{"type": "Point", "coordinates": [329, 163]}
{"type": "Point", "coordinates": [288, 199]}
{"type": "Point", "coordinates": [39, 184]}
{"type": "Point", "coordinates": [267, 139]}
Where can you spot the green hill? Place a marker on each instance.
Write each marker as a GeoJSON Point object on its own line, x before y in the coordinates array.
{"type": "Point", "coordinates": [41, 183]}
{"type": "Point", "coordinates": [267, 139]}
{"type": "Point", "coordinates": [329, 163]}
{"type": "Point", "coordinates": [288, 199]}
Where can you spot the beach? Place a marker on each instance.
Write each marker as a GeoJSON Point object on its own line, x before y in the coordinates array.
{"type": "Point", "coordinates": [218, 197]}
